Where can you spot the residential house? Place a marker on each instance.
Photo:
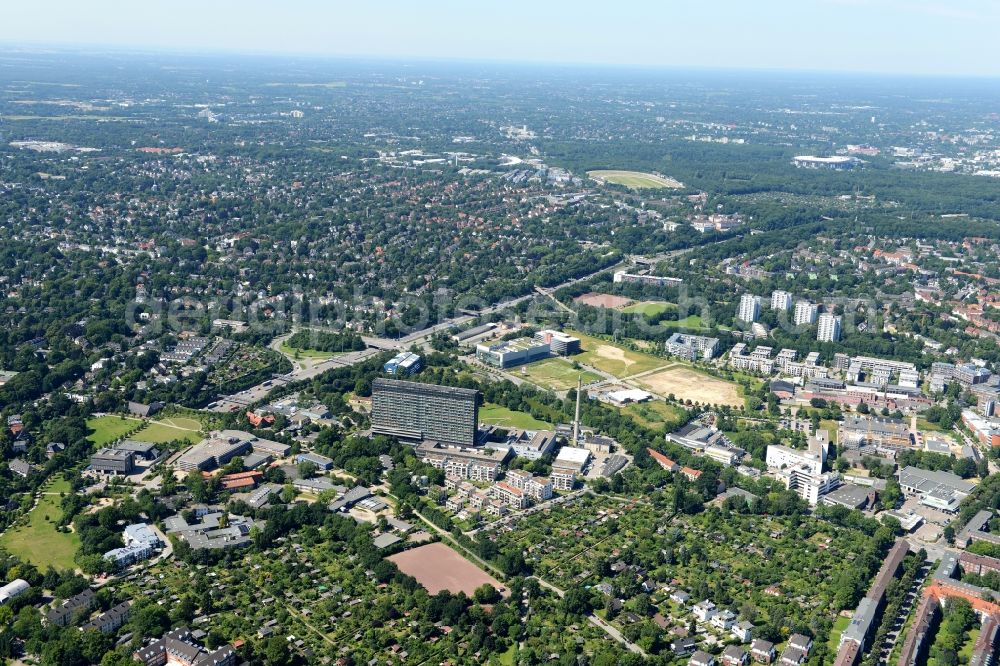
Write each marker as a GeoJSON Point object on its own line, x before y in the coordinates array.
{"type": "Point", "coordinates": [762, 651]}
{"type": "Point", "coordinates": [734, 655]}
{"type": "Point", "coordinates": [701, 658]}
{"type": "Point", "coordinates": [742, 631]}
{"type": "Point", "coordinates": [704, 610]}
{"type": "Point", "coordinates": [724, 619]}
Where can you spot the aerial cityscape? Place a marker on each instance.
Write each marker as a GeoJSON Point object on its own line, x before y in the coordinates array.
{"type": "Point", "coordinates": [314, 359]}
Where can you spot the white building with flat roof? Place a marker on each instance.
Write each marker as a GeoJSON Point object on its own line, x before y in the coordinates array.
{"type": "Point", "coordinates": [829, 328]}
{"type": "Point", "coordinates": [805, 313]}
{"type": "Point", "coordinates": [749, 308]}
{"type": "Point", "coordinates": [781, 300]}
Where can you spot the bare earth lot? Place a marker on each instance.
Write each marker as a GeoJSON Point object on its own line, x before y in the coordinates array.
{"type": "Point", "coordinates": [596, 300]}
{"type": "Point", "coordinates": [437, 567]}
{"type": "Point", "coordinates": [686, 383]}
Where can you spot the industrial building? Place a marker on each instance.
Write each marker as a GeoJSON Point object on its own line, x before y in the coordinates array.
{"type": "Point", "coordinates": [568, 464]}
{"type": "Point", "coordinates": [215, 452]}
{"type": "Point", "coordinates": [403, 363]}
{"type": "Point", "coordinates": [510, 353]}
{"type": "Point", "coordinates": [415, 412]}
{"type": "Point", "coordinates": [936, 489]}
{"type": "Point", "coordinates": [559, 343]}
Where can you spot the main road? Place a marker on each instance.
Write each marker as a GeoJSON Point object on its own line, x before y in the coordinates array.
{"type": "Point", "coordinates": [302, 371]}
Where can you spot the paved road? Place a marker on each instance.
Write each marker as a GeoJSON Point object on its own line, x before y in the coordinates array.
{"type": "Point", "coordinates": [240, 400]}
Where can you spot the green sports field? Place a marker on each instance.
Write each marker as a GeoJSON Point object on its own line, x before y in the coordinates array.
{"type": "Point", "coordinates": [38, 541]}
{"type": "Point", "coordinates": [506, 418]}
{"type": "Point", "coordinates": [554, 373]}
{"type": "Point", "coordinates": [636, 180]}
{"type": "Point", "coordinates": [648, 308]}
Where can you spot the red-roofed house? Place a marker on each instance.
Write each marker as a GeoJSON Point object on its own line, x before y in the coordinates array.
{"type": "Point", "coordinates": [665, 462]}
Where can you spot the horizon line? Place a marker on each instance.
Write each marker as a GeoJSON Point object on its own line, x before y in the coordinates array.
{"type": "Point", "coordinates": [400, 59]}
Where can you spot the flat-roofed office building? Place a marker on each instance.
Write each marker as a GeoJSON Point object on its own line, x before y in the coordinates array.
{"type": "Point", "coordinates": [415, 411]}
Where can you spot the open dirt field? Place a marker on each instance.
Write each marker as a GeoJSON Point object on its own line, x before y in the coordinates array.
{"type": "Point", "coordinates": [596, 300]}
{"type": "Point", "coordinates": [688, 384]}
{"type": "Point", "coordinates": [437, 567]}
{"type": "Point", "coordinates": [612, 359]}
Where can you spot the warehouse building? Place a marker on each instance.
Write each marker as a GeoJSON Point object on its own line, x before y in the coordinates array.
{"type": "Point", "coordinates": [510, 353]}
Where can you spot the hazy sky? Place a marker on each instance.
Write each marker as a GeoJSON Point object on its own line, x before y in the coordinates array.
{"type": "Point", "coordinates": [955, 37]}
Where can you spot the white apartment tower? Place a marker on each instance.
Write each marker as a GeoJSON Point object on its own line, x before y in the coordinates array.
{"type": "Point", "coordinates": [829, 328]}
{"type": "Point", "coordinates": [781, 300]}
{"type": "Point", "coordinates": [749, 310]}
{"type": "Point", "coordinates": [805, 313]}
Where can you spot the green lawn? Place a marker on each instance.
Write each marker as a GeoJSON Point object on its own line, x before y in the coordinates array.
{"type": "Point", "coordinates": [169, 429]}
{"type": "Point", "coordinates": [106, 429]}
{"type": "Point", "coordinates": [691, 321]}
{"type": "Point", "coordinates": [304, 353]}
{"type": "Point", "coordinates": [557, 374]}
{"type": "Point", "coordinates": [648, 308]}
{"type": "Point", "coordinates": [38, 541]}
{"type": "Point", "coordinates": [503, 417]}
{"type": "Point", "coordinates": [832, 428]}
{"type": "Point", "coordinates": [614, 359]}
{"type": "Point", "coordinates": [635, 179]}
{"type": "Point", "coordinates": [966, 650]}
{"type": "Point", "coordinates": [838, 628]}
{"type": "Point", "coordinates": [653, 413]}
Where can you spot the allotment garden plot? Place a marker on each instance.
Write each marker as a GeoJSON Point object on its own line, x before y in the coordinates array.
{"type": "Point", "coordinates": [790, 574]}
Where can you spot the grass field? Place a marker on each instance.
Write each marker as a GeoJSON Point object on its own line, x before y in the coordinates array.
{"type": "Point", "coordinates": [614, 359]}
{"type": "Point", "coordinates": [965, 652]}
{"type": "Point", "coordinates": [833, 427]}
{"type": "Point", "coordinates": [636, 180]}
{"type": "Point", "coordinates": [106, 429]}
{"type": "Point", "coordinates": [691, 321]}
{"type": "Point", "coordinates": [38, 542]}
{"type": "Point", "coordinates": [555, 373]}
{"type": "Point", "coordinates": [304, 353]}
{"type": "Point", "coordinates": [686, 383]}
{"type": "Point", "coordinates": [838, 628]}
{"type": "Point", "coordinates": [648, 308]}
{"type": "Point", "coordinates": [169, 429]}
{"type": "Point", "coordinates": [506, 418]}
{"type": "Point", "coordinates": [653, 413]}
